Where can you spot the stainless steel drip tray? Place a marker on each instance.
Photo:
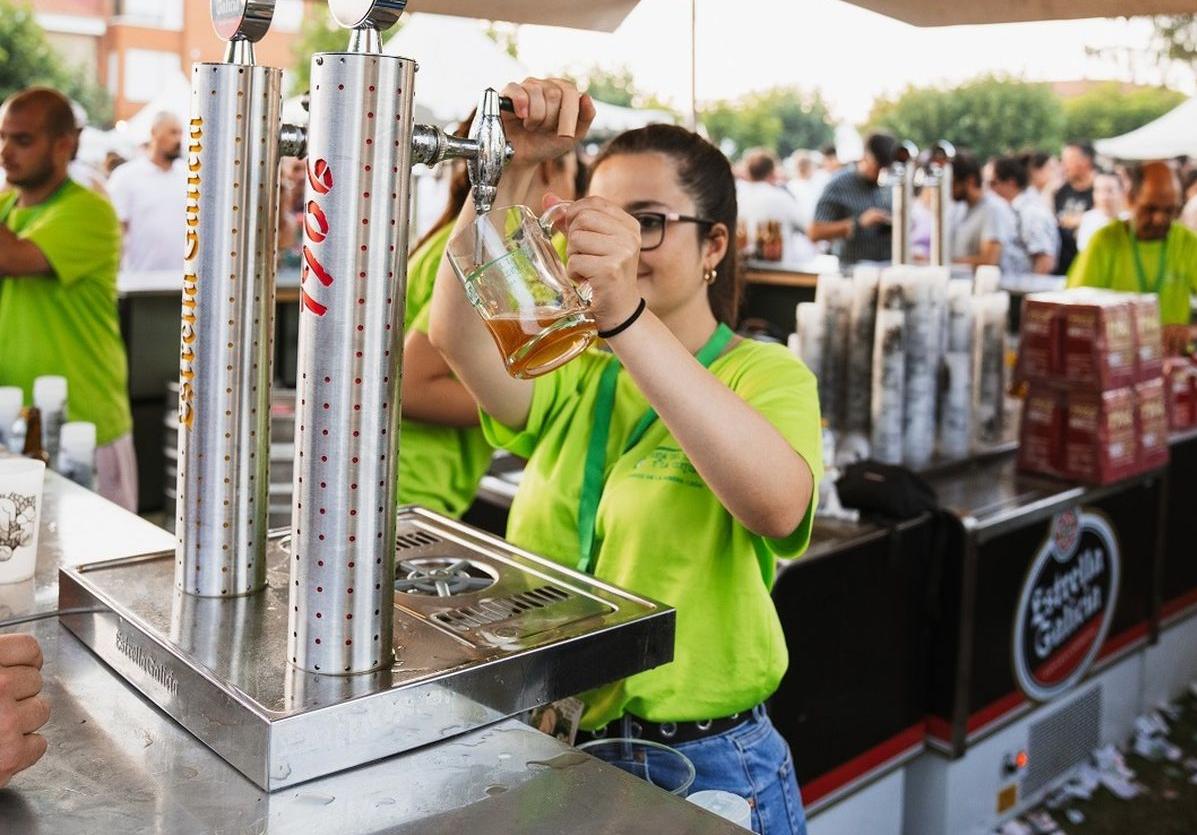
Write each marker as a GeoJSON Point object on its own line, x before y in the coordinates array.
{"type": "Point", "coordinates": [515, 631]}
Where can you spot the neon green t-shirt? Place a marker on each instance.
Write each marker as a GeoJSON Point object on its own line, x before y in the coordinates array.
{"type": "Point", "coordinates": [422, 267]}
{"type": "Point", "coordinates": [661, 532]}
{"type": "Point", "coordinates": [67, 323]}
{"type": "Point", "coordinates": [439, 466]}
{"type": "Point", "coordinates": [1109, 262]}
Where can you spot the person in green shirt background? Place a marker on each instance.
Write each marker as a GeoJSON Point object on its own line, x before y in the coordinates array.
{"type": "Point", "coordinates": [680, 464]}
{"type": "Point", "coordinates": [1149, 253]}
{"type": "Point", "coordinates": [443, 452]}
{"type": "Point", "coordinates": [60, 248]}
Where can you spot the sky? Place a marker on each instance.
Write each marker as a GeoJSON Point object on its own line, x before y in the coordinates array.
{"type": "Point", "coordinates": [852, 55]}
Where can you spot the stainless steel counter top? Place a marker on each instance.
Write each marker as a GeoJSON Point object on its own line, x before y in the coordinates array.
{"type": "Point", "coordinates": [117, 764]}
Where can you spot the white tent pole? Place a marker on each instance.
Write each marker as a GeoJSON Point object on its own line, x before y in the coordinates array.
{"type": "Point", "coordinates": [693, 64]}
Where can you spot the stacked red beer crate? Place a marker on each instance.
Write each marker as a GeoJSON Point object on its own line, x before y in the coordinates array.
{"type": "Point", "coordinates": [1093, 363]}
{"type": "Point", "coordinates": [1180, 392]}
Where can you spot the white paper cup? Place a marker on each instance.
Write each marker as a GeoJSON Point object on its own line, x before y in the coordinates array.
{"type": "Point", "coordinates": [20, 515]}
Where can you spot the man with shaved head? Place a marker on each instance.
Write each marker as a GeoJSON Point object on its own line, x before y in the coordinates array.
{"type": "Point", "coordinates": [59, 251]}
{"type": "Point", "coordinates": [149, 193]}
{"type": "Point", "coordinates": [1149, 253]}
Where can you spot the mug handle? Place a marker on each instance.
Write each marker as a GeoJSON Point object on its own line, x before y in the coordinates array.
{"type": "Point", "coordinates": [546, 222]}
{"type": "Point", "coordinates": [550, 217]}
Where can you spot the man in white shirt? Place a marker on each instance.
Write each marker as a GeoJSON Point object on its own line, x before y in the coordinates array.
{"type": "Point", "coordinates": [987, 226]}
{"type": "Point", "coordinates": [807, 186]}
{"type": "Point", "coordinates": [1036, 243]}
{"type": "Point", "coordinates": [149, 194]}
{"type": "Point", "coordinates": [761, 200]}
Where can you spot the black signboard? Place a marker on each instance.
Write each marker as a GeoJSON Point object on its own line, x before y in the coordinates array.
{"type": "Point", "coordinates": [1066, 604]}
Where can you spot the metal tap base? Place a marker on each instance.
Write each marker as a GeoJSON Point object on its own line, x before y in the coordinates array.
{"type": "Point", "coordinates": [534, 633]}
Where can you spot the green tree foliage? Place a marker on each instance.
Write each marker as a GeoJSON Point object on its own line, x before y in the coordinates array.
{"type": "Point", "coordinates": [27, 59]}
{"type": "Point", "coordinates": [611, 86]}
{"type": "Point", "coordinates": [618, 87]}
{"type": "Point", "coordinates": [783, 119]}
{"type": "Point", "coordinates": [988, 115]}
{"type": "Point", "coordinates": [1110, 110]}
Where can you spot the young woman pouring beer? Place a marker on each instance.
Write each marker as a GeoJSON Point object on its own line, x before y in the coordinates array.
{"type": "Point", "coordinates": [681, 463]}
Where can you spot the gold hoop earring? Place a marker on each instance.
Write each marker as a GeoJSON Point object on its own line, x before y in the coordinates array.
{"type": "Point", "coordinates": [709, 276]}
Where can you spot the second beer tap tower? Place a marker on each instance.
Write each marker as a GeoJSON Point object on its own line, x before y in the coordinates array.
{"type": "Point", "coordinates": [295, 655]}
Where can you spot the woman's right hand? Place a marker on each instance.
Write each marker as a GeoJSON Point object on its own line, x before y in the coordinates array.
{"type": "Point", "coordinates": [551, 116]}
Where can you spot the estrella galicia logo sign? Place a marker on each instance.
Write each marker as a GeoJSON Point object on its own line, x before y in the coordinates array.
{"type": "Point", "coordinates": [1066, 604]}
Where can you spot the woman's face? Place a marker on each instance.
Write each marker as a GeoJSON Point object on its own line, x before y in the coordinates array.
{"type": "Point", "coordinates": [1107, 194]}
{"type": "Point", "coordinates": [670, 276]}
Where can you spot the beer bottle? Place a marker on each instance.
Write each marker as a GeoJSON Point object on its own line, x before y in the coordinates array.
{"type": "Point", "coordinates": [33, 435]}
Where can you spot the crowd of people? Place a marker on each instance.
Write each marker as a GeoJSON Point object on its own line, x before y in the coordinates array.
{"type": "Point", "coordinates": [709, 436]}
{"type": "Point", "coordinates": [652, 235]}
{"type": "Point", "coordinates": [1027, 213]}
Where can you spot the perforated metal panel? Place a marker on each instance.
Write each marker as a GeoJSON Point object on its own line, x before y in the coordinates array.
{"type": "Point", "coordinates": [1062, 740]}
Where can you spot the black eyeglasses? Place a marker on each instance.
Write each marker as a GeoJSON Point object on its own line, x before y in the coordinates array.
{"type": "Point", "coordinates": [652, 226]}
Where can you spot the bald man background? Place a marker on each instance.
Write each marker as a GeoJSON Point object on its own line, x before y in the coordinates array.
{"type": "Point", "coordinates": [59, 253]}
{"type": "Point", "coordinates": [149, 193]}
{"type": "Point", "coordinates": [1149, 253]}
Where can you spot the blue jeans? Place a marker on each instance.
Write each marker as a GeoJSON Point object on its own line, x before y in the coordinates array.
{"type": "Point", "coordinates": [751, 760]}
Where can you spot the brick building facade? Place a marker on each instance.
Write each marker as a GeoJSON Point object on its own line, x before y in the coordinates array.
{"type": "Point", "coordinates": [135, 47]}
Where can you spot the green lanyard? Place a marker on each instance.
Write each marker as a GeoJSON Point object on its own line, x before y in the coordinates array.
{"type": "Point", "coordinates": [596, 450]}
{"type": "Point", "coordinates": [1160, 268]}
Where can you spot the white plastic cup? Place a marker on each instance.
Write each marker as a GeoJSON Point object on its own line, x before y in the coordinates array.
{"type": "Point", "coordinates": [730, 807]}
{"type": "Point", "coordinates": [11, 399]}
{"type": "Point", "coordinates": [77, 453]}
{"type": "Point", "coordinates": [21, 481]}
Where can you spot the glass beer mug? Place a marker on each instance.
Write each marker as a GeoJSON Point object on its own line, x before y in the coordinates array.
{"type": "Point", "coordinates": [514, 278]}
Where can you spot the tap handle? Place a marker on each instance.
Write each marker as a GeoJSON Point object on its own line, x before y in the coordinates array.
{"type": "Point", "coordinates": [242, 20]}
{"type": "Point", "coordinates": [493, 152]}
{"type": "Point", "coordinates": [367, 14]}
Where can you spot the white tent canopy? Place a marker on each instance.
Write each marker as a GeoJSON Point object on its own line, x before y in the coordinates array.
{"type": "Point", "coordinates": [1172, 135]}
{"type": "Point", "coordinates": [956, 12]}
{"type": "Point", "coordinates": [448, 87]}
{"type": "Point", "coordinates": [457, 62]}
{"type": "Point", "coordinates": [173, 97]}
{"type": "Point", "coordinates": [601, 15]}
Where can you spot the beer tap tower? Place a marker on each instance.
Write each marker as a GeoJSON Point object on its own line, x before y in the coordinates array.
{"type": "Point", "coordinates": [350, 343]}
{"type": "Point", "coordinates": [939, 179]}
{"type": "Point", "coordinates": [902, 173]}
{"type": "Point", "coordinates": [297, 654]}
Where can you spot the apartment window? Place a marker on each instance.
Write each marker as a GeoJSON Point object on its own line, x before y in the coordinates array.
{"type": "Point", "coordinates": [114, 76]}
{"type": "Point", "coordinates": [160, 14]}
{"type": "Point", "coordinates": [146, 70]}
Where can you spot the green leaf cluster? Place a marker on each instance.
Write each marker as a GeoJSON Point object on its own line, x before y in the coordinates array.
{"type": "Point", "coordinates": [989, 115]}
{"type": "Point", "coordinates": [1112, 110]}
{"type": "Point", "coordinates": [27, 59]}
{"type": "Point", "coordinates": [784, 119]}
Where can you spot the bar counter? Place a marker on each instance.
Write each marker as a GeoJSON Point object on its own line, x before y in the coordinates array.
{"type": "Point", "coordinates": [117, 764]}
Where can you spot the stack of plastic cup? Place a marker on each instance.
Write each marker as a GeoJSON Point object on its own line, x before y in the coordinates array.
{"type": "Point", "coordinates": [77, 453]}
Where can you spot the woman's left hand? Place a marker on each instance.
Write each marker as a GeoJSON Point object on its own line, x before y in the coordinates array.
{"type": "Point", "coordinates": [603, 249]}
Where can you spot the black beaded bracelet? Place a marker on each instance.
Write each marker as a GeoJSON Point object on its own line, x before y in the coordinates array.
{"type": "Point", "coordinates": [627, 323]}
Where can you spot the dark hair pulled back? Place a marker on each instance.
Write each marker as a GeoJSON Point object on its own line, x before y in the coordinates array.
{"type": "Point", "coordinates": [706, 175]}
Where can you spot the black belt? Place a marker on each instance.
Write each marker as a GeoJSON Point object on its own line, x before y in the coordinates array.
{"type": "Point", "coordinates": [667, 733]}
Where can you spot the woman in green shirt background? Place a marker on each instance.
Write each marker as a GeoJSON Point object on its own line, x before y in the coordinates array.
{"type": "Point", "coordinates": [443, 453]}
{"type": "Point", "coordinates": [703, 449]}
